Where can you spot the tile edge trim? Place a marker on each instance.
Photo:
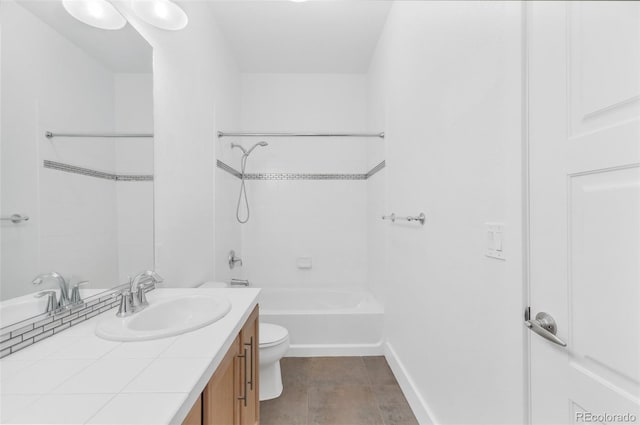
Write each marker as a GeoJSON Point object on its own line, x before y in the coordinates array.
{"type": "Point", "coordinates": [301, 176]}
{"type": "Point", "coordinates": [67, 168]}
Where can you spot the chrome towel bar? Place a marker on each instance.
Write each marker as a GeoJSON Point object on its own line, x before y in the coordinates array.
{"type": "Point", "coordinates": [51, 135]}
{"type": "Point", "coordinates": [393, 217]}
{"type": "Point", "coordinates": [16, 218]}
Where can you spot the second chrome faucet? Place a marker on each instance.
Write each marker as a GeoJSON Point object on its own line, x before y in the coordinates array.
{"type": "Point", "coordinates": [134, 298]}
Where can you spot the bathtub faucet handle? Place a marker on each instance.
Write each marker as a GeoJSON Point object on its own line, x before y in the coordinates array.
{"type": "Point", "coordinates": [233, 259]}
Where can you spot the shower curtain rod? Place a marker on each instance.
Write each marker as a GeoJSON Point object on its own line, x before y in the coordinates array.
{"type": "Point", "coordinates": [225, 134]}
{"type": "Point", "coordinates": [51, 135]}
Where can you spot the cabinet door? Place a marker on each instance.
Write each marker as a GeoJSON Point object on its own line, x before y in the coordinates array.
{"type": "Point", "coordinates": [195, 415]}
{"type": "Point", "coordinates": [250, 377]}
{"type": "Point", "coordinates": [220, 397]}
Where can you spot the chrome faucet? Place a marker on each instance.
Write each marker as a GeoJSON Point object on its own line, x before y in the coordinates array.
{"type": "Point", "coordinates": [135, 299]}
{"type": "Point", "coordinates": [64, 291]}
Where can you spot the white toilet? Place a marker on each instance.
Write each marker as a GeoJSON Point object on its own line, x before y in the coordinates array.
{"type": "Point", "coordinates": [274, 343]}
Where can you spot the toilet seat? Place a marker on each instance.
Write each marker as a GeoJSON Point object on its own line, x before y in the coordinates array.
{"type": "Point", "coordinates": [271, 335]}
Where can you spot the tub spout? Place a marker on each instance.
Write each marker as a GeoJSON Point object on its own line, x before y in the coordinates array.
{"type": "Point", "coordinates": [239, 282]}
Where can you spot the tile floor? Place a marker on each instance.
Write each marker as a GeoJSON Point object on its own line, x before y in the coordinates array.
{"type": "Point", "coordinates": [337, 391]}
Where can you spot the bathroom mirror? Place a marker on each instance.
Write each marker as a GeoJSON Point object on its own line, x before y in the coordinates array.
{"type": "Point", "coordinates": [76, 154]}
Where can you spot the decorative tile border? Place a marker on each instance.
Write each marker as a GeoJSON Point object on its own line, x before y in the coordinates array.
{"type": "Point", "coordinates": [93, 173]}
{"type": "Point", "coordinates": [134, 178]}
{"type": "Point", "coordinates": [300, 176]}
{"type": "Point", "coordinates": [229, 169]}
{"type": "Point", "coordinates": [377, 168]}
{"type": "Point", "coordinates": [303, 176]}
{"type": "Point", "coordinates": [17, 336]}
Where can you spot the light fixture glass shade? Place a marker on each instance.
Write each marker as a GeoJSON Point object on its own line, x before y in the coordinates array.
{"type": "Point", "coordinates": [97, 13]}
{"type": "Point", "coordinates": [161, 13]}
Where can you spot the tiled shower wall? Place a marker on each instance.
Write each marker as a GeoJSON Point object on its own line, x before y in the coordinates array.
{"type": "Point", "coordinates": [294, 218]}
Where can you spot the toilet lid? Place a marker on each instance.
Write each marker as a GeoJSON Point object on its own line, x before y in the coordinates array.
{"type": "Point", "coordinates": [271, 334]}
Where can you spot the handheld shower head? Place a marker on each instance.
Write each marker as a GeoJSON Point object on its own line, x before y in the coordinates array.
{"type": "Point", "coordinates": [243, 190]}
{"type": "Point", "coordinates": [247, 152]}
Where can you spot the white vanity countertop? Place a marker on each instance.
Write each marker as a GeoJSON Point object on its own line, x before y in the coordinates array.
{"type": "Point", "coordinates": [75, 377]}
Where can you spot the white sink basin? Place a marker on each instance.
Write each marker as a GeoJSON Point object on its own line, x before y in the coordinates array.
{"type": "Point", "coordinates": [17, 310]}
{"type": "Point", "coordinates": [164, 318]}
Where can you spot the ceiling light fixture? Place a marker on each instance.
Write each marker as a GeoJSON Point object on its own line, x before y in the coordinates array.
{"type": "Point", "coordinates": [97, 13]}
{"type": "Point", "coordinates": [163, 14]}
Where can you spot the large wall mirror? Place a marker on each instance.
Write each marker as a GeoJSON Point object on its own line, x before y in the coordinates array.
{"type": "Point", "coordinates": [76, 155]}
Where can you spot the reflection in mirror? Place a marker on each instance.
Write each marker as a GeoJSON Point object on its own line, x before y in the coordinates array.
{"type": "Point", "coordinates": [88, 199]}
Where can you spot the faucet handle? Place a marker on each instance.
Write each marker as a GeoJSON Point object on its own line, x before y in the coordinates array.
{"type": "Point", "coordinates": [52, 301]}
{"type": "Point", "coordinates": [142, 294]}
{"type": "Point", "coordinates": [140, 297]}
{"type": "Point", "coordinates": [146, 287]}
{"type": "Point", "coordinates": [233, 259]}
{"type": "Point", "coordinates": [126, 304]}
{"type": "Point", "coordinates": [75, 292]}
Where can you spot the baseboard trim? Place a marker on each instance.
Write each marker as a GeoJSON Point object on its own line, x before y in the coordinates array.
{"type": "Point", "coordinates": [334, 350]}
{"type": "Point", "coordinates": [419, 406]}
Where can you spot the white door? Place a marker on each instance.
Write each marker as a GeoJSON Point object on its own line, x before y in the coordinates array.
{"type": "Point", "coordinates": [584, 182]}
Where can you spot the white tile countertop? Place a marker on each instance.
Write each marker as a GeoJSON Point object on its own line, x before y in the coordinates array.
{"type": "Point", "coordinates": [75, 377]}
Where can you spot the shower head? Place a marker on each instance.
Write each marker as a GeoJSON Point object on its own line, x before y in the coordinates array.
{"type": "Point", "coordinates": [247, 152]}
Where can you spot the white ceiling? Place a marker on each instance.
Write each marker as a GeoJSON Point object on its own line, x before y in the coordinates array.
{"type": "Point", "coordinates": [311, 37]}
{"type": "Point", "coordinates": [121, 51]}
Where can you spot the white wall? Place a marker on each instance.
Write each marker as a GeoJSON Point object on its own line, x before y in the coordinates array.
{"type": "Point", "coordinates": [227, 229]}
{"type": "Point", "coordinates": [43, 90]}
{"type": "Point", "coordinates": [446, 82]}
{"type": "Point", "coordinates": [323, 220]}
{"type": "Point", "coordinates": [193, 87]}
{"type": "Point", "coordinates": [133, 108]}
{"type": "Point", "coordinates": [376, 228]}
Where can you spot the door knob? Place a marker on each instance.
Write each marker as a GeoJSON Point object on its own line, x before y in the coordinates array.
{"type": "Point", "coordinates": [545, 326]}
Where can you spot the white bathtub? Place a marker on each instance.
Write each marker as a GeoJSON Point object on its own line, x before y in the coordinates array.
{"type": "Point", "coordinates": [325, 322]}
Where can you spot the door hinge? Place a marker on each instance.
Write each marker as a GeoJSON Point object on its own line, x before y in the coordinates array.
{"type": "Point", "coordinates": [527, 314]}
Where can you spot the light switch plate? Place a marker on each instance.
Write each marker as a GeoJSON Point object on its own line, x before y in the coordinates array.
{"type": "Point", "coordinates": [495, 241]}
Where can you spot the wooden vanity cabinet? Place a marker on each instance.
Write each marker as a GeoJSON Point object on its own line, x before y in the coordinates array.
{"type": "Point", "coordinates": [232, 395]}
{"type": "Point", "coordinates": [195, 414]}
{"type": "Point", "coordinates": [250, 341]}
